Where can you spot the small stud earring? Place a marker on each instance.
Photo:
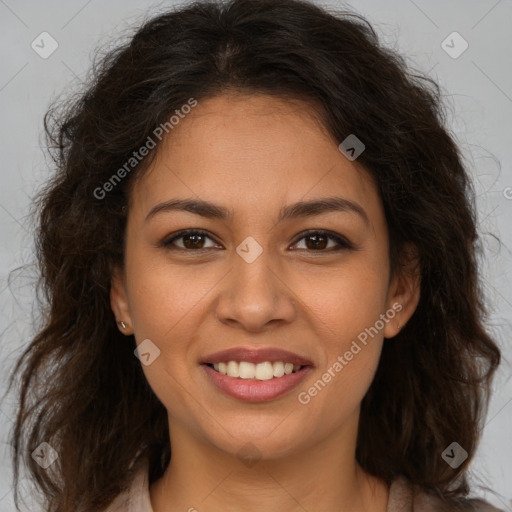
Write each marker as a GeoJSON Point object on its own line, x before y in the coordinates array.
{"type": "Point", "coordinates": [399, 326]}
{"type": "Point", "coordinates": [123, 325]}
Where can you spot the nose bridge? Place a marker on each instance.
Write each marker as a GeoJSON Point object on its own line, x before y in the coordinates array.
{"type": "Point", "coordinates": [253, 294]}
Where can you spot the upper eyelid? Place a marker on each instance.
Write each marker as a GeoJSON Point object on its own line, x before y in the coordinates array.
{"type": "Point", "coordinates": [185, 232]}
{"type": "Point", "coordinates": [341, 240]}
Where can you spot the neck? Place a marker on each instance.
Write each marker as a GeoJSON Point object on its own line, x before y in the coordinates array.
{"type": "Point", "coordinates": [322, 477]}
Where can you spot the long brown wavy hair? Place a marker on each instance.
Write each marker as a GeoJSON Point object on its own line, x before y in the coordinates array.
{"type": "Point", "coordinates": [80, 387]}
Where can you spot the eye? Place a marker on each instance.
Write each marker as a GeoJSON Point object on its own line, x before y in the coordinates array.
{"type": "Point", "coordinates": [191, 239]}
{"type": "Point", "coordinates": [318, 240]}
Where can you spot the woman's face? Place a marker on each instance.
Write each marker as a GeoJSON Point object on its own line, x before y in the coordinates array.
{"type": "Point", "coordinates": [254, 281]}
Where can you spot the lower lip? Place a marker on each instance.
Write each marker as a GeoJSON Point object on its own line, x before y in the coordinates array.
{"type": "Point", "coordinates": [252, 390]}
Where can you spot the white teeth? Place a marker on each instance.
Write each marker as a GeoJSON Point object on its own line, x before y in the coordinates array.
{"type": "Point", "coordinates": [232, 369]}
{"type": "Point", "coordinates": [246, 370]}
{"type": "Point", "coordinates": [264, 371]}
{"type": "Point", "coordinates": [278, 369]}
{"type": "Point", "coordinates": [260, 371]}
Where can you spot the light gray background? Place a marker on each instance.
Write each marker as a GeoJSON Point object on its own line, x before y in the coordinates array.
{"type": "Point", "coordinates": [478, 89]}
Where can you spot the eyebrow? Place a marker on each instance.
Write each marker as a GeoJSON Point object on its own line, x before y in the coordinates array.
{"type": "Point", "coordinates": [300, 209]}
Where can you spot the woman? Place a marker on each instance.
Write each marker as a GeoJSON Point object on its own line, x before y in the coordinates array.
{"type": "Point", "coordinates": [259, 255]}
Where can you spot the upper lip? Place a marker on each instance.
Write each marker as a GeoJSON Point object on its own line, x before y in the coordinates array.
{"type": "Point", "coordinates": [255, 356]}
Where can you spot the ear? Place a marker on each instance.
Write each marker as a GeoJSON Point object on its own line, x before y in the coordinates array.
{"type": "Point", "coordinates": [119, 301]}
{"type": "Point", "coordinates": [404, 291]}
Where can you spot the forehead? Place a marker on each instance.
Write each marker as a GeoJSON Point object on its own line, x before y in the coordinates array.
{"type": "Point", "coordinates": [252, 153]}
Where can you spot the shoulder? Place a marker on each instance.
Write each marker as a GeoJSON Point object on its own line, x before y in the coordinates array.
{"type": "Point", "coordinates": [403, 498]}
{"type": "Point", "coordinates": [136, 498]}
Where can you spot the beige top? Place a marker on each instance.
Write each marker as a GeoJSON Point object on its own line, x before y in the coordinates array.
{"type": "Point", "coordinates": [136, 499]}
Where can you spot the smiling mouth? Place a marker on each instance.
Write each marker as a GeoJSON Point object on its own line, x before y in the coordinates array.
{"type": "Point", "coordinates": [260, 371]}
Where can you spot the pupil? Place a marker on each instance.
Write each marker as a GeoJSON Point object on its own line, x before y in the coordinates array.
{"type": "Point", "coordinates": [317, 243]}
{"type": "Point", "coordinates": [187, 240]}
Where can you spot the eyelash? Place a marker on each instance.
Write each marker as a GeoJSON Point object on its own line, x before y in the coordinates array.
{"type": "Point", "coordinates": [342, 242]}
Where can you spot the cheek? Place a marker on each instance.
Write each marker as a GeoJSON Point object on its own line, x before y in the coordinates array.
{"type": "Point", "coordinates": [348, 366]}
{"type": "Point", "coordinates": [346, 302]}
{"type": "Point", "coordinates": [163, 296]}
{"type": "Point", "coordinates": [337, 394]}
{"type": "Point", "coordinates": [172, 389]}
{"type": "Point", "coordinates": [163, 307]}
{"type": "Point", "coordinates": [346, 310]}
{"type": "Point", "coordinates": [164, 310]}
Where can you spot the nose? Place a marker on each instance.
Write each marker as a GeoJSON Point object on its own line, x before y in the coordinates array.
{"type": "Point", "coordinates": [255, 295]}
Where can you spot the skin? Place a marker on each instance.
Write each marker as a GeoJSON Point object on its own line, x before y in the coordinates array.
{"type": "Point", "coordinates": [255, 154]}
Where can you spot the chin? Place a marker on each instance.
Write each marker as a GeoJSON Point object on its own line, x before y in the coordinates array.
{"type": "Point", "coordinates": [266, 439]}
